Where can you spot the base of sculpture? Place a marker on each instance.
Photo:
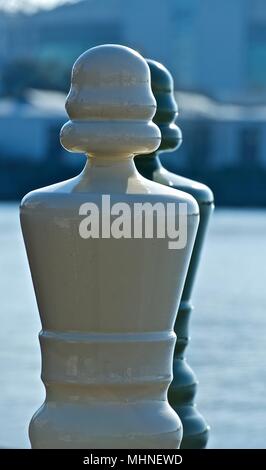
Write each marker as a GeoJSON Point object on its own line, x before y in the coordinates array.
{"type": "Point", "coordinates": [195, 428]}
{"type": "Point", "coordinates": [183, 389]}
{"type": "Point", "coordinates": [106, 426]}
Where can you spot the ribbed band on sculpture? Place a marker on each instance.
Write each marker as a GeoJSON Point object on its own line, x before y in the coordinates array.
{"type": "Point", "coordinates": [107, 305]}
{"type": "Point", "coordinates": [183, 388]}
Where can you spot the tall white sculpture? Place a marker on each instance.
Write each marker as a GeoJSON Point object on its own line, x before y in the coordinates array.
{"type": "Point", "coordinates": [107, 304]}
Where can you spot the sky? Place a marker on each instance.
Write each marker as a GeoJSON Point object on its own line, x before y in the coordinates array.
{"type": "Point", "coordinates": [29, 5]}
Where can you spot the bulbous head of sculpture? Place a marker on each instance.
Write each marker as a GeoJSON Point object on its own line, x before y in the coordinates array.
{"type": "Point", "coordinates": [110, 105]}
{"type": "Point", "coordinates": [163, 89]}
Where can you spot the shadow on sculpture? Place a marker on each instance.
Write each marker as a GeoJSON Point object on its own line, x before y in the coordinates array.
{"type": "Point", "coordinates": [184, 385]}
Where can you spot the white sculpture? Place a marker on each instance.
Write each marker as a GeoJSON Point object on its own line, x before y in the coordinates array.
{"type": "Point", "coordinates": [107, 305]}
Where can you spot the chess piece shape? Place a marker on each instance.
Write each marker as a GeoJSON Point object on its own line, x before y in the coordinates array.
{"type": "Point", "coordinates": [107, 303]}
{"type": "Point", "coordinates": [184, 385]}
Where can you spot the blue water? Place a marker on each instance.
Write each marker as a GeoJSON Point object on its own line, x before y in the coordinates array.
{"type": "Point", "coordinates": [228, 347]}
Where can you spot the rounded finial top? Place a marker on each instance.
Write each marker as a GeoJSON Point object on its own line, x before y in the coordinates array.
{"type": "Point", "coordinates": [163, 89]}
{"type": "Point", "coordinates": [110, 104]}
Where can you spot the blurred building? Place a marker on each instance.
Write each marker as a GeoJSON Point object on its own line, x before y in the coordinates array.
{"type": "Point", "coordinates": [30, 128]}
{"type": "Point", "coordinates": [215, 135]}
{"type": "Point", "coordinates": [212, 46]}
{"type": "Point", "coordinates": [216, 51]}
{"type": "Point", "coordinates": [219, 135]}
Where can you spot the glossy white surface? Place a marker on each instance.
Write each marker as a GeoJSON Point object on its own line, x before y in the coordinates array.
{"type": "Point", "coordinates": [107, 306]}
{"type": "Point", "coordinates": [229, 362]}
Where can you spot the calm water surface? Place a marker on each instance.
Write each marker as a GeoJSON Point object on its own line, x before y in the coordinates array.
{"type": "Point", "coordinates": [228, 347]}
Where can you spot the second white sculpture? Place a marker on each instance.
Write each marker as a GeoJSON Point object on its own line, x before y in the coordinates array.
{"type": "Point", "coordinates": [107, 305]}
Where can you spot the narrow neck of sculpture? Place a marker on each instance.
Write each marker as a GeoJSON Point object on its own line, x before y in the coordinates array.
{"type": "Point", "coordinates": [108, 175]}
{"type": "Point", "coordinates": [148, 164]}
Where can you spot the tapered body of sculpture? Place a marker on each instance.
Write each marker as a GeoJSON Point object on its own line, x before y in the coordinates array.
{"type": "Point", "coordinates": [183, 388]}
{"type": "Point", "coordinates": [107, 301]}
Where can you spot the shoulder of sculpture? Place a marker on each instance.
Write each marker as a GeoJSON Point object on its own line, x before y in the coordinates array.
{"type": "Point", "coordinates": [192, 206]}
{"type": "Point", "coordinates": [201, 192]}
{"type": "Point", "coordinates": [167, 194]}
{"type": "Point", "coordinates": [40, 197]}
{"type": "Point", "coordinates": [30, 198]}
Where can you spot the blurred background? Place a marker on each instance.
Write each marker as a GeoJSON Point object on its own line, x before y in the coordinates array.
{"type": "Point", "coordinates": [216, 52]}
